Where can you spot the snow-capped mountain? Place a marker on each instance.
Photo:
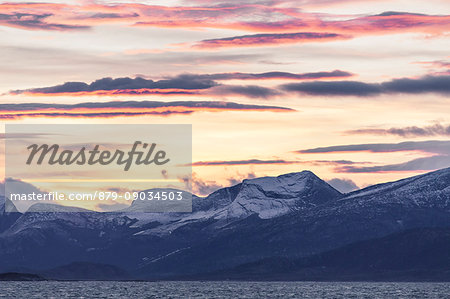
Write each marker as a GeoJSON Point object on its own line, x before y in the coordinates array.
{"type": "Point", "coordinates": [291, 215]}
{"type": "Point", "coordinates": [266, 197]}
{"type": "Point", "coordinates": [431, 190]}
{"type": "Point", "coordinates": [8, 213]}
{"type": "Point", "coordinates": [270, 197]}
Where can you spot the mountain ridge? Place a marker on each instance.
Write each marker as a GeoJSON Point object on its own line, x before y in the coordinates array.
{"type": "Point", "coordinates": [229, 227]}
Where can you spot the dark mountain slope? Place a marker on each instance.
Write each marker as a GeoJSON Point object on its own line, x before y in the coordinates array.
{"type": "Point", "coordinates": [419, 254]}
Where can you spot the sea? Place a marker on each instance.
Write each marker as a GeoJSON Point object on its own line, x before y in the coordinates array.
{"type": "Point", "coordinates": [222, 289]}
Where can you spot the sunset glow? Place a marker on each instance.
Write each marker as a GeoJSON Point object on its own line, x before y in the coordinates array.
{"type": "Point", "coordinates": [354, 90]}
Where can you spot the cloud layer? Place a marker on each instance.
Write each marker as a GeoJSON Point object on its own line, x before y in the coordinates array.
{"type": "Point", "coordinates": [33, 21]}
{"type": "Point", "coordinates": [268, 75]}
{"type": "Point", "coordinates": [177, 85]}
{"type": "Point", "coordinates": [431, 146]}
{"type": "Point", "coordinates": [125, 108]}
{"type": "Point", "coordinates": [413, 131]}
{"type": "Point", "coordinates": [435, 84]}
{"type": "Point", "coordinates": [419, 164]}
{"type": "Point", "coordinates": [263, 16]}
{"type": "Point", "coordinates": [205, 84]}
{"type": "Point", "coordinates": [267, 39]}
{"type": "Point", "coordinates": [243, 162]}
{"type": "Point", "coordinates": [438, 152]}
{"type": "Point", "coordinates": [184, 84]}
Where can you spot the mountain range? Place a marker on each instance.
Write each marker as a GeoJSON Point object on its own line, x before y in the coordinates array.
{"type": "Point", "coordinates": [291, 227]}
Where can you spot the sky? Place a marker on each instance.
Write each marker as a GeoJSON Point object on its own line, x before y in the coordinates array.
{"type": "Point", "coordinates": [355, 91]}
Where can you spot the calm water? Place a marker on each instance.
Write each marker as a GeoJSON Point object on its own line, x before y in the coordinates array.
{"type": "Point", "coordinates": [222, 290]}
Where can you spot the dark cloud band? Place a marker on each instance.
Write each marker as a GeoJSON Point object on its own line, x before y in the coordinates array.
{"type": "Point", "coordinates": [126, 83]}
{"type": "Point", "coordinates": [242, 162]}
{"type": "Point", "coordinates": [431, 146]}
{"type": "Point", "coordinates": [181, 84]}
{"type": "Point", "coordinates": [268, 75]}
{"type": "Point", "coordinates": [420, 164]}
{"type": "Point", "coordinates": [125, 108]}
{"type": "Point", "coordinates": [413, 131]}
{"type": "Point", "coordinates": [267, 39]}
{"type": "Point", "coordinates": [434, 84]}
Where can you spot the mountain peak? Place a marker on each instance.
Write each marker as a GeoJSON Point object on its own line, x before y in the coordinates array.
{"type": "Point", "coordinates": [273, 196]}
{"type": "Point", "coordinates": [290, 184]}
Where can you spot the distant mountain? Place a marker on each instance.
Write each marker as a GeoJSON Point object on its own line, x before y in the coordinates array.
{"type": "Point", "coordinates": [41, 240]}
{"type": "Point", "coordinates": [266, 198]}
{"type": "Point", "coordinates": [422, 201]}
{"type": "Point", "coordinates": [168, 207]}
{"type": "Point", "coordinates": [418, 254]}
{"type": "Point", "coordinates": [12, 276]}
{"type": "Point", "coordinates": [8, 214]}
{"type": "Point", "coordinates": [271, 197]}
{"type": "Point", "coordinates": [86, 271]}
{"type": "Point", "coordinates": [6, 206]}
{"type": "Point", "coordinates": [291, 216]}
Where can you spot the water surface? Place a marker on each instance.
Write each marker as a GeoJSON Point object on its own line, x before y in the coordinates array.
{"type": "Point", "coordinates": [225, 289]}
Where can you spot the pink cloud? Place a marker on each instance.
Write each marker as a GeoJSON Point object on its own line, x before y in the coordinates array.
{"type": "Point", "coordinates": [267, 39]}
{"type": "Point", "coordinates": [269, 17]}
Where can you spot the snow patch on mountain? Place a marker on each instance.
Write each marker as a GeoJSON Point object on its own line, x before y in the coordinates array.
{"type": "Point", "coordinates": [427, 190]}
{"type": "Point", "coordinates": [271, 197]}
{"type": "Point", "coordinates": [267, 197]}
